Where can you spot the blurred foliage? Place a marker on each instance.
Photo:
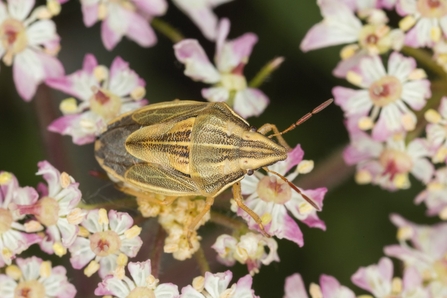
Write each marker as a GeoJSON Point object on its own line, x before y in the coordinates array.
{"type": "Point", "coordinates": [357, 217]}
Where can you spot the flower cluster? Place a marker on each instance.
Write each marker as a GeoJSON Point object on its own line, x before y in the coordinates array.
{"type": "Point", "coordinates": [271, 198]}
{"type": "Point", "coordinates": [385, 113]}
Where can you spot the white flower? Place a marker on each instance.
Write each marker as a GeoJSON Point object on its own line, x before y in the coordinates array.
{"type": "Point", "coordinates": [382, 103]}
{"type": "Point", "coordinates": [106, 241]}
{"type": "Point", "coordinates": [142, 284]}
{"type": "Point", "coordinates": [29, 43]}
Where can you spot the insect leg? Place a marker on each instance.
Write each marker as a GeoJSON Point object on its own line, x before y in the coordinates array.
{"type": "Point", "coordinates": [266, 128]}
{"type": "Point", "coordinates": [193, 225]}
{"type": "Point", "coordinates": [146, 196]}
{"type": "Point", "coordinates": [237, 196]}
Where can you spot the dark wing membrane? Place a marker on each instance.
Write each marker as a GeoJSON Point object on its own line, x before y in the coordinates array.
{"type": "Point", "coordinates": [154, 178]}
{"type": "Point", "coordinates": [110, 150]}
{"type": "Point", "coordinates": [168, 111]}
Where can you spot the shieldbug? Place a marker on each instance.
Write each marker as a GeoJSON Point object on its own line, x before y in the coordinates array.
{"type": "Point", "coordinates": [190, 148]}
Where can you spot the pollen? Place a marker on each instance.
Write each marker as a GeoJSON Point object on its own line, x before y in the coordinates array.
{"type": "Point", "coordinates": [363, 177]}
{"type": "Point", "coordinates": [443, 214]}
{"type": "Point", "coordinates": [5, 178]}
{"type": "Point", "coordinates": [101, 73]}
{"type": "Point", "coordinates": [103, 218]}
{"type": "Point", "coordinates": [354, 78]}
{"type": "Point", "coordinates": [138, 93]}
{"type": "Point", "coordinates": [406, 23]}
{"type": "Point", "coordinates": [132, 232]}
{"type": "Point", "coordinates": [315, 291]}
{"type": "Point", "coordinates": [45, 269]}
{"type": "Point", "coordinates": [266, 218]}
{"type": "Point", "coordinates": [76, 216]}
{"type": "Point", "coordinates": [396, 285]}
{"type": "Point", "coordinates": [408, 121]}
{"type": "Point", "coordinates": [198, 283]}
{"type": "Point", "coordinates": [365, 123]}
{"type": "Point", "coordinates": [91, 268]}
{"type": "Point", "coordinates": [432, 116]}
{"type": "Point", "coordinates": [348, 51]}
{"type": "Point", "coordinates": [14, 272]}
{"type": "Point", "coordinates": [54, 7]}
{"type": "Point", "coordinates": [417, 74]}
{"type": "Point", "coordinates": [69, 106]}
{"type": "Point", "coordinates": [33, 226]}
{"type": "Point", "coordinates": [59, 249]}
{"type": "Point", "coordinates": [305, 166]}
{"type": "Point", "coordinates": [401, 181]}
{"type": "Point", "coordinates": [404, 233]}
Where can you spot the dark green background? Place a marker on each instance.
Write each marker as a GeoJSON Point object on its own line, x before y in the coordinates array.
{"type": "Point", "coordinates": [357, 217]}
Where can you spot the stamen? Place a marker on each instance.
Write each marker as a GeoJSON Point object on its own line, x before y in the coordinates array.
{"type": "Point", "coordinates": [406, 23]}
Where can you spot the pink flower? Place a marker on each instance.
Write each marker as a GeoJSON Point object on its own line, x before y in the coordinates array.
{"type": "Point", "coordinates": [230, 84]}
{"type": "Point", "coordinates": [55, 209]}
{"type": "Point", "coordinates": [216, 286]}
{"type": "Point", "coordinates": [128, 18]}
{"type": "Point", "coordinates": [36, 278]}
{"type": "Point", "coordinates": [106, 243]}
{"type": "Point", "coordinates": [271, 198]}
{"type": "Point", "coordinates": [13, 236]}
{"type": "Point", "coordinates": [248, 249]}
{"type": "Point", "coordinates": [436, 131]}
{"type": "Point", "coordinates": [384, 100]}
{"type": "Point", "coordinates": [426, 253]}
{"type": "Point", "coordinates": [30, 42]}
{"type": "Point", "coordinates": [435, 195]}
{"type": "Point", "coordinates": [142, 284]}
{"type": "Point", "coordinates": [427, 20]}
{"type": "Point", "coordinates": [378, 280]}
{"type": "Point", "coordinates": [201, 13]}
{"type": "Point", "coordinates": [294, 287]}
{"type": "Point", "coordinates": [104, 94]}
{"type": "Point", "coordinates": [389, 164]}
{"type": "Point", "coordinates": [329, 288]}
{"type": "Point", "coordinates": [341, 26]}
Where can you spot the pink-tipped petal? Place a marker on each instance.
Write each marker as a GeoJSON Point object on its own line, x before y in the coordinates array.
{"type": "Point", "coordinates": [90, 14]}
{"type": "Point", "coordinates": [294, 287]}
{"type": "Point", "coordinates": [198, 66]}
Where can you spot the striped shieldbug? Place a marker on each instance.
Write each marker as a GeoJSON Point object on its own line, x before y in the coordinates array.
{"type": "Point", "coordinates": [190, 148]}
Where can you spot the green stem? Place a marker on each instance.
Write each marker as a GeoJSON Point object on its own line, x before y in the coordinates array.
{"type": "Point", "coordinates": [265, 71]}
{"type": "Point", "coordinates": [170, 32]}
{"type": "Point", "coordinates": [126, 203]}
{"type": "Point", "coordinates": [426, 60]}
{"type": "Point", "coordinates": [228, 222]}
{"type": "Point", "coordinates": [201, 261]}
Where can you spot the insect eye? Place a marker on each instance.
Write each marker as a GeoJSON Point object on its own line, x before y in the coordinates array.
{"type": "Point", "coordinates": [253, 129]}
{"type": "Point", "coordinates": [250, 172]}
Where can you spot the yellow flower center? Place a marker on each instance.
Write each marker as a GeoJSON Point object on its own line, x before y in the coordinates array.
{"type": "Point", "coordinates": [432, 8]}
{"type": "Point", "coordinates": [385, 91]}
{"type": "Point", "coordinates": [372, 38]}
{"type": "Point", "coordinates": [395, 162]}
{"type": "Point", "coordinates": [272, 189]}
{"type": "Point", "coordinates": [5, 220]}
{"type": "Point", "coordinates": [29, 289]}
{"type": "Point", "coordinates": [13, 38]}
{"type": "Point", "coordinates": [140, 292]}
{"type": "Point", "coordinates": [105, 104]}
{"type": "Point", "coordinates": [105, 243]}
{"type": "Point", "coordinates": [48, 213]}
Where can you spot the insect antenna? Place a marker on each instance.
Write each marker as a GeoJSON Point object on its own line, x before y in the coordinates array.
{"type": "Point", "coordinates": [304, 118]}
{"type": "Point", "coordinates": [309, 200]}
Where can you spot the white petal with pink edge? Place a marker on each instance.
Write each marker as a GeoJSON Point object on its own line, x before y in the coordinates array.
{"type": "Point", "coordinates": [198, 66]}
